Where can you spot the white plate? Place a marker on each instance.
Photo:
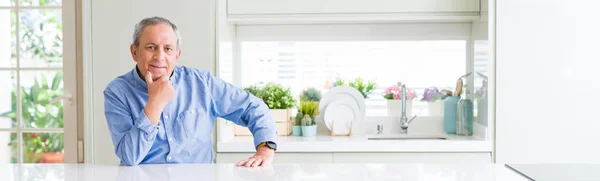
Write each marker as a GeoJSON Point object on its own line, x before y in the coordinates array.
{"type": "Point", "coordinates": [343, 112]}
{"type": "Point", "coordinates": [349, 101]}
{"type": "Point", "coordinates": [332, 95]}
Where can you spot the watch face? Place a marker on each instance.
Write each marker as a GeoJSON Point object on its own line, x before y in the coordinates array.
{"type": "Point", "coordinates": [271, 145]}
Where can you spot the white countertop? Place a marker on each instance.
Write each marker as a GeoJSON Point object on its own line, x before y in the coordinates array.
{"type": "Point", "coordinates": [345, 172]}
{"type": "Point", "coordinates": [571, 172]}
{"type": "Point", "coordinates": [322, 143]}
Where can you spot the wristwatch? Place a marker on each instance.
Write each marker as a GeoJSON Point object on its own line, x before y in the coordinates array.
{"type": "Point", "coordinates": [268, 144]}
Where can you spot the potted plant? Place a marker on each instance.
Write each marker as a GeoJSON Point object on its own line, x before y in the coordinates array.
{"type": "Point", "coordinates": [297, 127]}
{"type": "Point", "coordinates": [39, 111]}
{"type": "Point", "coordinates": [435, 101]}
{"type": "Point", "coordinates": [308, 96]}
{"type": "Point", "coordinates": [307, 112]}
{"type": "Point", "coordinates": [393, 95]}
{"type": "Point", "coordinates": [279, 99]}
{"type": "Point", "coordinates": [365, 88]}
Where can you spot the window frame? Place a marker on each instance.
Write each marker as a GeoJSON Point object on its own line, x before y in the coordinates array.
{"type": "Point", "coordinates": [351, 32]}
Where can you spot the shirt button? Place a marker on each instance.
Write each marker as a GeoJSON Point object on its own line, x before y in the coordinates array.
{"type": "Point", "coordinates": [170, 139]}
{"type": "Point", "coordinates": [167, 116]}
{"type": "Point", "coordinates": [168, 157]}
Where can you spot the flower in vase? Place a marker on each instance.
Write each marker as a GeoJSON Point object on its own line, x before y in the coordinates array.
{"type": "Point", "coordinates": [395, 92]}
{"type": "Point", "coordinates": [432, 94]}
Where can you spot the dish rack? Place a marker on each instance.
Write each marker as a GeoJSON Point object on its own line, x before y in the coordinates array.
{"type": "Point", "coordinates": [336, 134]}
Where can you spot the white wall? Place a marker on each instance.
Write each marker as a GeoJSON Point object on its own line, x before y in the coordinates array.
{"type": "Point", "coordinates": [547, 81]}
{"type": "Point", "coordinates": [112, 23]}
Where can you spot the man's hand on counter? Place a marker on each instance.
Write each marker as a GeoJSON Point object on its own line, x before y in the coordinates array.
{"type": "Point", "coordinates": [264, 156]}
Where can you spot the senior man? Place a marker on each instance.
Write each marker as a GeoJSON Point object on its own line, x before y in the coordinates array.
{"type": "Point", "coordinates": [160, 112]}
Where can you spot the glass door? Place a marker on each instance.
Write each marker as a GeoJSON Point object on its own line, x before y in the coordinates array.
{"type": "Point", "coordinates": [37, 77]}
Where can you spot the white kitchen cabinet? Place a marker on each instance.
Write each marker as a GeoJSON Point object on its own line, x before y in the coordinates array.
{"type": "Point", "coordinates": [542, 45]}
{"type": "Point", "coordinates": [279, 157]}
{"type": "Point", "coordinates": [441, 158]}
{"type": "Point", "coordinates": [334, 11]}
{"type": "Point", "coordinates": [483, 157]}
{"type": "Point", "coordinates": [264, 7]}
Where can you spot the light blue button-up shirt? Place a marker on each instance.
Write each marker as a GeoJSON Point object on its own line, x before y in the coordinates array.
{"type": "Point", "coordinates": [184, 132]}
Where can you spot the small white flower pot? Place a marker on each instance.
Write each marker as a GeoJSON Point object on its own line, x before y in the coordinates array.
{"type": "Point", "coordinates": [436, 108]}
{"type": "Point", "coordinates": [394, 107]}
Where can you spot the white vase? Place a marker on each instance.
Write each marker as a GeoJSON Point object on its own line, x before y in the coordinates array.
{"type": "Point", "coordinates": [394, 107]}
{"type": "Point", "coordinates": [436, 108]}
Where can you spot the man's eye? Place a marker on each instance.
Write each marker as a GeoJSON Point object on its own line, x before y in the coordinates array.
{"type": "Point", "coordinates": [150, 47]}
{"type": "Point", "coordinates": [169, 49]}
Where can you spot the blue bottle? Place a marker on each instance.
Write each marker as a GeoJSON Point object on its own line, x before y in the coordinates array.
{"type": "Point", "coordinates": [450, 114]}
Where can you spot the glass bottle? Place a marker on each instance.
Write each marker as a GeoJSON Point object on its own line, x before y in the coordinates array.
{"type": "Point", "coordinates": [464, 116]}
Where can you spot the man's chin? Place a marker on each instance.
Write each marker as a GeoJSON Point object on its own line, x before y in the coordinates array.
{"type": "Point", "coordinates": [158, 72]}
{"type": "Point", "coordinates": [157, 76]}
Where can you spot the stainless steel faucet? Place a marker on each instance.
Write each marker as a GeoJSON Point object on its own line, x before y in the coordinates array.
{"type": "Point", "coordinates": [404, 122]}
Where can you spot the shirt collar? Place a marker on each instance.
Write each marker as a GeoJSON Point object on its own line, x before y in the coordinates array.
{"type": "Point", "coordinates": [142, 83]}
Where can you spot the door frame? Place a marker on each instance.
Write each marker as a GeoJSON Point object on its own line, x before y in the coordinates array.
{"type": "Point", "coordinates": [87, 81]}
{"type": "Point", "coordinates": [70, 113]}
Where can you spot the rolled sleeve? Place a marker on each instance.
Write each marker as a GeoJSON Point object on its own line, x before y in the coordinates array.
{"type": "Point", "coordinates": [144, 124]}
{"type": "Point", "coordinates": [132, 137]}
{"type": "Point", "coordinates": [264, 135]}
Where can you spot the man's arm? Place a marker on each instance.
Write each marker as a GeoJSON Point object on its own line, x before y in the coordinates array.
{"type": "Point", "coordinates": [132, 138]}
{"type": "Point", "coordinates": [242, 108]}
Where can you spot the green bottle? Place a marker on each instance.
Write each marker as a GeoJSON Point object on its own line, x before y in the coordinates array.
{"type": "Point", "coordinates": [464, 116]}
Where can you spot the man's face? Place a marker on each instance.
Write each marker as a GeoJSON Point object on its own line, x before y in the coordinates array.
{"type": "Point", "coordinates": [157, 51]}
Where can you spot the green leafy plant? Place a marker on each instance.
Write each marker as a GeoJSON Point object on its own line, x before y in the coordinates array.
{"type": "Point", "coordinates": [307, 108]}
{"type": "Point", "coordinates": [340, 81]}
{"type": "Point", "coordinates": [275, 95]}
{"type": "Point", "coordinates": [278, 97]}
{"type": "Point", "coordinates": [311, 94]}
{"type": "Point", "coordinates": [365, 88]}
{"type": "Point", "coordinates": [39, 111]}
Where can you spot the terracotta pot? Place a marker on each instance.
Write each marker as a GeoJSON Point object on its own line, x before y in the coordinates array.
{"type": "Point", "coordinates": [53, 157]}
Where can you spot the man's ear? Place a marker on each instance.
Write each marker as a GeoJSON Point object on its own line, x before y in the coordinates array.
{"type": "Point", "coordinates": [178, 54]}
{"type": "Point", "coordinates": [133, 51]}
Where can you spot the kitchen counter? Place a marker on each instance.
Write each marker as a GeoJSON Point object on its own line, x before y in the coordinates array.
{"type": "Point", "coordinates": [360, 143]}
{"type": "Point", "coordinates": [346, 172]}
{"type": "Point", "coordinates": [571, 172]}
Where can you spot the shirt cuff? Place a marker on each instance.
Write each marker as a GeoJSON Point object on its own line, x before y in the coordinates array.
{"type": "Point", "coordinates": [144, 124]}
{"type": "Point", "coordinates": [264, 135]}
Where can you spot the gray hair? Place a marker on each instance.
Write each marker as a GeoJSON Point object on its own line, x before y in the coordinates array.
{"type": "Point", "coordinates": [152, 21]}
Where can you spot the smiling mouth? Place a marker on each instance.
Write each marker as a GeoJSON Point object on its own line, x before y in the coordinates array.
{"type": "Point", "coordinates": [157, 66]}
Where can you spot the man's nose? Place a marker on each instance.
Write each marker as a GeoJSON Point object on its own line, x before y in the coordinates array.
{"type": "Point", "coordinates": [159, 55]}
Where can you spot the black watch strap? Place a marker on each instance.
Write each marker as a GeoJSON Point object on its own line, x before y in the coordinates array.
{"type": "Point", "coordinates": [271, 145]}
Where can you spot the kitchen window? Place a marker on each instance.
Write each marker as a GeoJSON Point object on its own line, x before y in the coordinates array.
{"type": "Point", "coordinates": [302, 56]}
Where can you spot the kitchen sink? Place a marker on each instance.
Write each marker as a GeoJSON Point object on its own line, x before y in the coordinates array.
{"type": "Point", "coordinates": [408, 137]}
